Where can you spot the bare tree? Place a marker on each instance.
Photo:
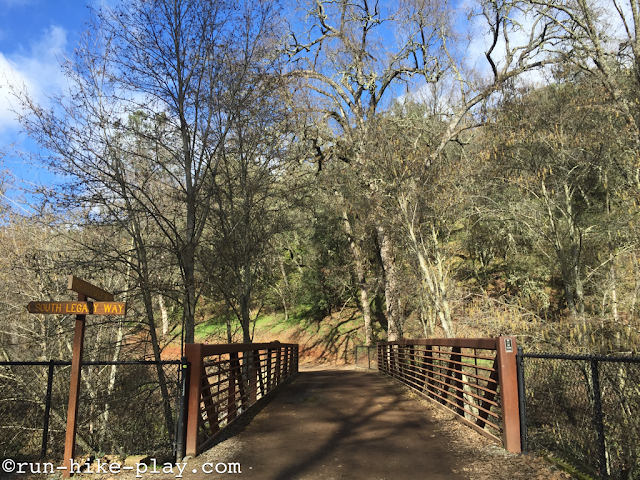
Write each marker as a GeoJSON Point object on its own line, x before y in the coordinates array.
{"type": "Point", "coordinates": [175, 64]}
{"type": "Point", "coordinates": [256, 185]}
{"type": "Point", "coordinates": [347, 61]}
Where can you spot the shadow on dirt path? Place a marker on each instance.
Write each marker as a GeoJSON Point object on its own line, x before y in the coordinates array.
{"type": "Point", "coordinates": [337, 424]}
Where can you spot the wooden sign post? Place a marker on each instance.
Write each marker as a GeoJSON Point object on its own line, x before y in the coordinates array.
{"type": "Point", "coordinates": [81, 308]}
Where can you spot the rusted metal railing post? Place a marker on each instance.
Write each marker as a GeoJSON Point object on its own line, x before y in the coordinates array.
{"type": "Point", "coordinates": [278, 366]}
{"type": "Point", "coordinates": [428, 351]}
{"type": "Point", "coordinates": [412, 363]}
{"type": "Point", "coordinates": [506, 349]}
{"type": "Point", "coordinates": [256, 375]}
{"type": "Point", "coordinates": [457, 357]}
{"type": "Point", "coordinates": [210, 408]}
{"type": "Point", "coordinates": [234, 365]}
{"type": "Point", "coordinates": [269, 368]}
{"type": "Point", "coordinates": [193, 353]}
{"type": "Point", "coordinates": [285, 366]}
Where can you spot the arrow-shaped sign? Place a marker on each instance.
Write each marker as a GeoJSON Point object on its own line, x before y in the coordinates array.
{"type": "Point", "coordinates": [78, 308]}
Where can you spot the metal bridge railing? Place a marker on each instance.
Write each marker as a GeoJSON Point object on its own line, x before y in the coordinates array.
{"type": "Point", "coordinates": [474, 378]}
{"type": "Point", "coordinates": [225, 380]}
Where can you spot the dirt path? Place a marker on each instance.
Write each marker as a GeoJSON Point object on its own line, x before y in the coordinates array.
{"type": "Point", "coordinates": [342, 423]}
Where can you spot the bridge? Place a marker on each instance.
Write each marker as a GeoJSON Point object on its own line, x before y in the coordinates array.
{"type": "Point", "coordinates": [284, 423]}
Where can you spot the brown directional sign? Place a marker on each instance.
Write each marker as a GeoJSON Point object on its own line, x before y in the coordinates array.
{"type": "Point", "coordinates": [109, 308]}
{"type": "Point", "coordinates": [78, 308]}
{"type": "Point", "coordinates": [52, 308]}
{"type": "Point", "coordinates": [91, 291]}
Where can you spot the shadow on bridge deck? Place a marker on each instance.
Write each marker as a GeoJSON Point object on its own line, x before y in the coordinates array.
{"type": "Point", "coordinates": [337, 424]}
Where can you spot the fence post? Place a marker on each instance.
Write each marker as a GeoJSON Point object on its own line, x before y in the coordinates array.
{"type": "Point", "coordinates": [182, 413]}
{"type": "Point", "coordinates": [597, 413]}
{"type": "Point", "coordinates": [47, 411]}
{"type": "Point", "coordinates": [522, 397]}
{"type": "Point", "coordinates": [508, 381]}
{"type": "Point", "coordinates": [194, 357]}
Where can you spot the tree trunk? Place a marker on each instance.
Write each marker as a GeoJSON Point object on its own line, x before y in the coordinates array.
{"type": "Point", "coordinates": [433, 276]}
{"type": "Point", "coordinates": [636, 286]}
{"type": "Point", "coordinates": [165, 315]}
{"type": "Point", "coordinates": [394, 314]}
{"type": "Point", "coordinates": [189, 302]}
{"type": "Point", "coordinates": [245, 321]}
{"type": "Point", "coordinates": [166, 400]}
{"type": "Point", "coordinates": [245, 302]}
{"type": "Point", "coordinates": [359, 266]}
{"type": "Point", "coordinates": [112, 383]}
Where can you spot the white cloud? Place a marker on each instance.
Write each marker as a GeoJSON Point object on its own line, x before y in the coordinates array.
{"type": "Point", "coordinates": [37, 70]}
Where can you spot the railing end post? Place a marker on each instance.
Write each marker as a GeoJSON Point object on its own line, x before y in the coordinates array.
{"type": "Point", "coordinates": [194, 357]}
{"type": "Point", "coordinates": [506, 348]}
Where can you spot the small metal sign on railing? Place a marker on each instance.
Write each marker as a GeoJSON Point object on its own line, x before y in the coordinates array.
{"type": "Point", "coordinates": [104, 306]}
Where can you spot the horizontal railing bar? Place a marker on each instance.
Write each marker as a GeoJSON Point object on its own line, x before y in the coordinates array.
{"type": "Point", "coordinates": [469, 423]}
{"type": "Point", "coordinates": [445, 359]}
{"type": "Point", "coordinates": [457, 406]}
{"type": "Point", "coordinates": [224, 398]}
{"type": "Point", "coordinates": [479, 343]}
{"type": "Point", "coordinates": [216, 363]}
{"type": "Point", "coordinates": [475, 385]}
{"type": "Point", "coordinates": [459, 390]}
{"type": "Point", "coordinates": [485, 389]}
{"type": "Point", "coordinates": [219, 372]}
{"type": "Point", "coordinates": [462, 354]}
{"type": "Point", "coordinates": [469, 393]}
{"type": "Point", "coordinates": [208, 350]}
{"type": "Point", "coordinates": [469, 365]}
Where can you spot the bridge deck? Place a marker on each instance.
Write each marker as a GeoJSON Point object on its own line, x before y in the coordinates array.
{"type": "Point", "coordinates": [338, 424]}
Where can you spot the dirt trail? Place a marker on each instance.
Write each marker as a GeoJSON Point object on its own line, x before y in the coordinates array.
{"type": "Point", "coordinates": [340, 424]}
{"type": "Point", "coordinates": [344, 423]}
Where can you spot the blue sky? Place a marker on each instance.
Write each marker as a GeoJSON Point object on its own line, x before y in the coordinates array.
{"type": "Point", "coordinates": [34, 37]}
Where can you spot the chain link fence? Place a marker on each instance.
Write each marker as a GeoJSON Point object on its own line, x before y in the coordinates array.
{"type": "Point", "coordinates": [366, 357]}
{"type": "Point", "coordinates": [584, 410]}
{"type": "Point", "coordinates": [124, 409]}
